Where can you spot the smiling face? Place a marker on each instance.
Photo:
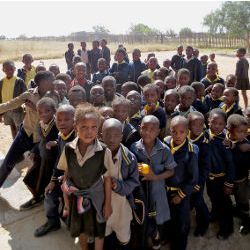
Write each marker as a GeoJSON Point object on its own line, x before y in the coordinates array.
{"type": "Point", "coordinates": [65, 122]}
{"type": "Point", "coordinates": [9, 70]}
{"type": "Point", "coordinates": [151, 96]}
{"type": "Point", "coordinates": [228, 97]}
{"type": "Point", "coordinates": [216, 124]}
{"type": "Point", "coordinates": [183, 79]}
{"type": "Point", "coordinates": [239, 133]}
{"type": "Point", "coordinates": [45, 113]}
{"type": "Point", "coordinates": [121, 112]}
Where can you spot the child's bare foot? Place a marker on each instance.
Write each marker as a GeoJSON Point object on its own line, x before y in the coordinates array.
{"type": "Point", "coordinates": [65, 212]}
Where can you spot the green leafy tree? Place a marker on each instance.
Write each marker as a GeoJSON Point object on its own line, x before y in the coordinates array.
{"type": "Point", "coordinates": [100, 29]}
{"type": "Point", "coordinates": [143, 29]}
{"type": "Point", "coordinates": [171, 33]}
{"type": "Point", "coordinates": [232, 18]}
{"type": "Point", "coordinates": [185, 32]}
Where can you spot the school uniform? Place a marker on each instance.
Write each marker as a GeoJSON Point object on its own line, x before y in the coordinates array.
{"type": "Point", "coordinates": [199, 106]}
{"type": "Point", "coordinates": [169, 117]}
{"type": "Point", "coordinates": [242, 67]}
{"type": "Point", "coordinates": [135, 120]}
{"type": "Point", "coordinates": [203, 70]}
{"type": "Point", "coordinates": [84, 54]}
{"type": "Point", "coordinates": [149, 73]}
{"type": "Point", "coordinates": [159, 160]}
{"type": "Point", "coordinates": [206, 81]}
{"type": "Point", "coordinates": [197, 199]}
{"type": "Point", "coordinates": [210, 103]}
{"type": "Point", "coordinates": [85, 172]}
{"type": "Point", "coordinates": [125, 172]}
{"type": "Point", "coordinates": [136, 68]}
{"type": "Point", "coordinates": [233, 109]}
{"type": "Point", "coordinates": [26, 75]}
{"type": "Point", "coordinates": [222, 174]}
{"type": "Point", "coordinates": [94, 55]}
{"type": "Point", "coordinates": [9, 89]}
{"type": "Point", "coordinates": [98, 76]}
{"type": "Point", "coordinates": [130, 134]}
{"type": "Point", "coordinates": [177, 62]}
{"type": "Point", "coordinates": [39, 175]}
{"type": "Point", "coordinates": [69, 54]}
{"type": "Point", "coordinates": [241, 188]}
{"type": "Point", "coordinates": [181, 184]}
{"type": "Point", "coordinates": [194, 67]}
{"type": "Point", "coordinates": [105, 53]}
{"type": "Point", "coordinates": [184, 113]}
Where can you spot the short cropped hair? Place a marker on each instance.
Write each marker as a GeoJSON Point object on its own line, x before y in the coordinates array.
{"type": "Point", "coordinates": [151, 86]}
{"type": "Point", "coordinates": [44, 76]}
{"type": "Point", "coordinates": [182, 72]}
{"type": "Point", "coordinates": [184, 89]}
{"type": "Point", "coordinates": [121, 101]}
{"type": "Point", "coordinates": [151, 119]}
{"type": "Point", "coordinates": [48, 102]}
{"type": "Point", "coordinates": [66, 108]}
{"type": "Point", "coordinates": [235, 121]}
{"type": "Point", "coordinates": [9, 63]}
{"type": "Point", "coordinates": [79, 89]}
{"type": "Point", "coordinates": [109, 79]}
{"type": "Point", "coordinates": [219, 112]}
{"type": "Point", "coordinates": [179, 120]}
{"type": "Point", "coordinates": [242, 50]}
{"type": "Point", "coordinates": [196, 114]}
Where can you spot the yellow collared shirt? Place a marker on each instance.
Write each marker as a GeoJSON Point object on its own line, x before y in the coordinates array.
{"type": "Point", "coordinates": [173, 148]}
{"type": "Point", "coordinates": [8, 89]}
{"type": "Point", "coordinates": [29, 75]}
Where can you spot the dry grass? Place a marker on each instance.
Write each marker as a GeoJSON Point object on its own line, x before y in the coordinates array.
{"type": "Point", "coordinates": [13, 50]}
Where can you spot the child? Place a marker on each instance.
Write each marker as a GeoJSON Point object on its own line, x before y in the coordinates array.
{"type": "Point", "coordinates": [199, 97]}
{"type": "Point", "coordinates": [94, 55]}
{"type": "Point", "coordinates": [229, 104]}
{"type": "Point", "coordinates": [162, 90]}
{"type": "Point", "coordinates": [230, 81]}
{"type": "Point", "coordinates": [214, 99]}
{"type": "Point", "coordinates": [181, 185]}
{"type": "Point", "coordinates": [61, 88]}
{"type": "Point", "coordinates": [84, 162]}
{"type": "Point", "coordinates": [106, 112]}
{"type": "Point", "coordinates": [167, 65]}
{"type": "Point", "coordinates": [77, 95]}
{"type": "Point", "coordinates": [65, 125]}
{"type": "Point", "coordinates": [102, 71]}
{"type": "Point", "coordinates": [198, 137]}
{"type": "Point", "coordinates": [204, 63]}
{"type": "Point", "coordinates": [187, 95]}
{"type": "Point", "coordinates": [66, 78]}
{"type": "Point", "coordinates": [237, 128]}
{"type": "Point", "coordinates": [211, 77]}
{"type": "Point", "coordinates": [125, 177]}
{"type": "Point", "coordinates": [152, 66]}
{"type": "Point", "coordinates": [182, 78]}
{"type": "Point", "coordinates": [196, 53]}
{"type": "Point", "coordinates": [241, 73]}
{"type": "Point", "coordinates": [150, 150]}
{"type": "Point", "coordinates": [76, 59]}
{"type": "Point", "coordinates": [171, 100]}
{"type": "Point", "coordinates": [221, 176]}
{"type": "Point", "coordinates": [152, 107]}
{"type": "Point", "coordinates": [28, 131]}
{"type": "Point", "coordinates": [69, 54]}
{"type": "Point", "coordinates": [170, 82]}
{"type": "Point", "coordinates": [160, 74]}
{"type": "Point", "coordinates": [97, 96]}
{"type": "Point", "coordinates": [177, 60]}
{"type": "Point", "coordinates": [121, 112]}
{"type": "Point", "coordinates": [247, 115]}
{"type": "Point", "coordinates": [28, 71]}
{"type": "Point", "coordinates": [11, 87]}
{"type": "Point", "coordinates": [120, 69]}
{"type": "Point", "coordinates": [84, 54]}
{"type": "Point", "coordinates": [212, 57]}
{"type": "Point", "coordinates": [80, 78]}
{"type": "Point", "coordinates": [142, 81]}
{"type": "Point", "coordinates": [109, 86]}
{"type": "Point", "coordinates": [135, 115]}
{"type": "Point", "coordinates": [54, 68]}
{"type": "Point", "coordinates": [39, 175]}
{"type": "Point", "coordinates": [136, 66]}
{"type": "Point", "coordinates": [105, 52]}
{"type": "Point", "coordinates": [127, 87]}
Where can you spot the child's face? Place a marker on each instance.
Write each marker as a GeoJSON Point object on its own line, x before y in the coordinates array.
{"type": "Point", "coordinates": [196, 126]}
{"type": "Point", "coordinates": [54, 69]}
{"type": "Point", "coordinates": [151, 96]}
{"type": "Point", "coordinates": [61, 89]}
{"type": "Point", "coordinates": [9, 70]}
{"type": "Point", "coordinates": [211, 70]}
{"type": "Point", "coordinates": [109, 90]}
{"type": "Point", "coordinates": [247, 115]}
{"type": "Point", "coordinates": [125, 89]}
{"type": "Point", "coordinates": [212, 57]}
{"type": "Point", "coordinates": [161, 86]}
{"type": "Point", "coordinates": [180, 50]}
{"type": "Point", "coordinates": [95, 45]}
{"type": "Point", "coordinates": [179, 133]}
{"type": "Point", "coordinates": [112, 137]}
{"type": "Point", "coordinates": [119, 57]}
{"type": "Point", "coordinates": [200, 93]}
{"type": "Point", "coordinates": [80, 72]}
{"type": "Point", "coordinates": [45, 86]}
{"type": "Point", "coordinates": [158, 75]}
{"type": "Point", "coordinates": [170, 103]}
{"type": "Point", "coordinates": [45, 113]}
{"type": "Point", "coordinates": [97, 95]}
{"type": "Point", "coordinates": [216, 124]}
{"type": "Point", "coordinates": [189, 52]}
{"type": "Point", "coordinates": [135, 104]}
{"type": "Point", "coordinates": [186, 100]}
{"type": "Point", "coordinates": [121, 112]}
{"type": "Point", "coordinates": [183, 79]}
{"type": "Point", "coordinates": [231, 82]}
{"type": "Point", "coordinates": [75, 98]}
{"type": "Point", "coordinates": [152, 63]}
{"type": "Point", "coordinates": [71, 47]}
{"type": "Point", "coordinates": [27, 60]}
{"type": "Point", "coordinates": [87, 129]}
{"type": "Point", "coordinates": [101, 66]}
{"type": "Point", "coordinates": [107, 112]}
{"type": "Point", "coordinates": [149, 132]}
{"type": "Point", "coordinates": [228, 97]}
{"type": "Point", "coordinates": [167, 64]}
{"type": "Point", "coordinates": [83, 45]}
{"type": "Point", "coordinates": [216, 92]}
{"type": "Point", "coordinates": [170, 84]}
{"type": "Point", "coordinates": [239, 133]}
{"type": "Point", "coordinates": [64, 122]}
{"type": "Point", "coordinates": [136, 56]}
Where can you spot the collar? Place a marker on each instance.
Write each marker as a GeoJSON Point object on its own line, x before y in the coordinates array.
{"type": "Point", "coordinates": [197, 138]}
{"type": "Point", "coordinates": [66, 137]}
{"type": "Point", "coordinates": [219, 99]}
{"type": "Point", "coordinates": [45, 128]}
{"type": "Point", "coordinates": [121, 62]}
{"type": "Point", "coordinates": [157, 146]}
{"type": "Point", "coordinates": [147, 107]}
{"type": "Point", "coordinates": [97, 145]}
{"type": "Point", "coordinates": [225, 109]}
{"type": "Point", "coordinates": [137, 115]}
{"type": "Point", "coordinates": [212, 135]}
{"type": "Point", "coordinates": [228, 137]}
{"type": "Point", "coordinates": [13, 78]}
{"type": "Point", "coordinates": [175, 149]}
{"type": "Point", "coordinates": [209, 80]}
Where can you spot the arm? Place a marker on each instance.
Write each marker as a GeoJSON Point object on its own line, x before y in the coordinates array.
{"type": "Point", "coordinates": [107, 209]}
{"type": "Point", "coordinates": [230, 168]}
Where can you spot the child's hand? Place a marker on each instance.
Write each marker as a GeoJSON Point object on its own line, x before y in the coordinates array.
{"type": "Point", "coordinates": [151, 108]}
{"type": "Point", "coordinates": [50, 187]}
{"type": "Point", "coordinates": [51, 144]}
{"type": "Point", "coordinates": [31, 156]}
{"type": "Point", "coordinates": [107, 211]}
{"type": "Point", "coordinates": [227, 143]}
{"type": "Point", "coordinates": [151, 176]}
{"type": "Point", "coordinates": [227, 190]}
{"type": "Point", "coordinates": [113, 183]}
{"type": "Point", "coordinates": [176, 200]}
{"type": "Point", "coordinates": [244, 147]}
{"type": "Point", "coordinates": [30, 104]}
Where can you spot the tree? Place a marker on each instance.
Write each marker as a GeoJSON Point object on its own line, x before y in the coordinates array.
{"type": "Point", "coordinates": [143, 29]}
{"type": "Point", "coordinates": [186, 32]}
{"type": "Point", "coordinates": [171, 33]}
{"type": "Point", "coordinates": [100, 29]}
{"type": "Point", "coordinates": [232, 18]}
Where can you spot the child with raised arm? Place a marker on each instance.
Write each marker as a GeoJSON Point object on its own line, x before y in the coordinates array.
{"type": "Point", "coordinates": [84, 161]}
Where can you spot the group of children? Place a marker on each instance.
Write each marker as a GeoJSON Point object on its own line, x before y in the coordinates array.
{"type": "Point", "coordinates": [130, 153]}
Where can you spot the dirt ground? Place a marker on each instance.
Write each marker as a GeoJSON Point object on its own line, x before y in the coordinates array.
{"type": "Point", "coordinates": [16, 229]}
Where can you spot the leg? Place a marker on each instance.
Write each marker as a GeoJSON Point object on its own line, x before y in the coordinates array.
{"type": "Point", "coordinates": [245, 99]}
{"type": "Point", "coordinates": [19, 146]}
{"type": "Point", "coordinates": [83, 241]}
{"type": "Point", "coordinates": [99, 243]}
{"type": "Point", "coordinates": [14, 130]}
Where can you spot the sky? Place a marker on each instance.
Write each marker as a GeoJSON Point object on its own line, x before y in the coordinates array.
{"type": "Point", "coordinates": [36, 18]}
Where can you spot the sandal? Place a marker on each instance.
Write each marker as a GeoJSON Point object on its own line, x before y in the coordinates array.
{"type": "Point", "coordinates": [30, 204]}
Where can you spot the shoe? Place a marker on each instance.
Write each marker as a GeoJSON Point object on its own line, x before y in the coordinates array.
{"type": "Point", "coordinates": [46, 228]}
{"type": "Point", "coordinates": [156, 242]}
{"type": "Point", "coordinates": [244, 229]}
{"type": "Point", "coordinates": [30, 204]}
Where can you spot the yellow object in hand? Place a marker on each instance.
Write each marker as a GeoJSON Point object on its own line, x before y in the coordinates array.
{"type": "Point", "coordinates": [143, 168]}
